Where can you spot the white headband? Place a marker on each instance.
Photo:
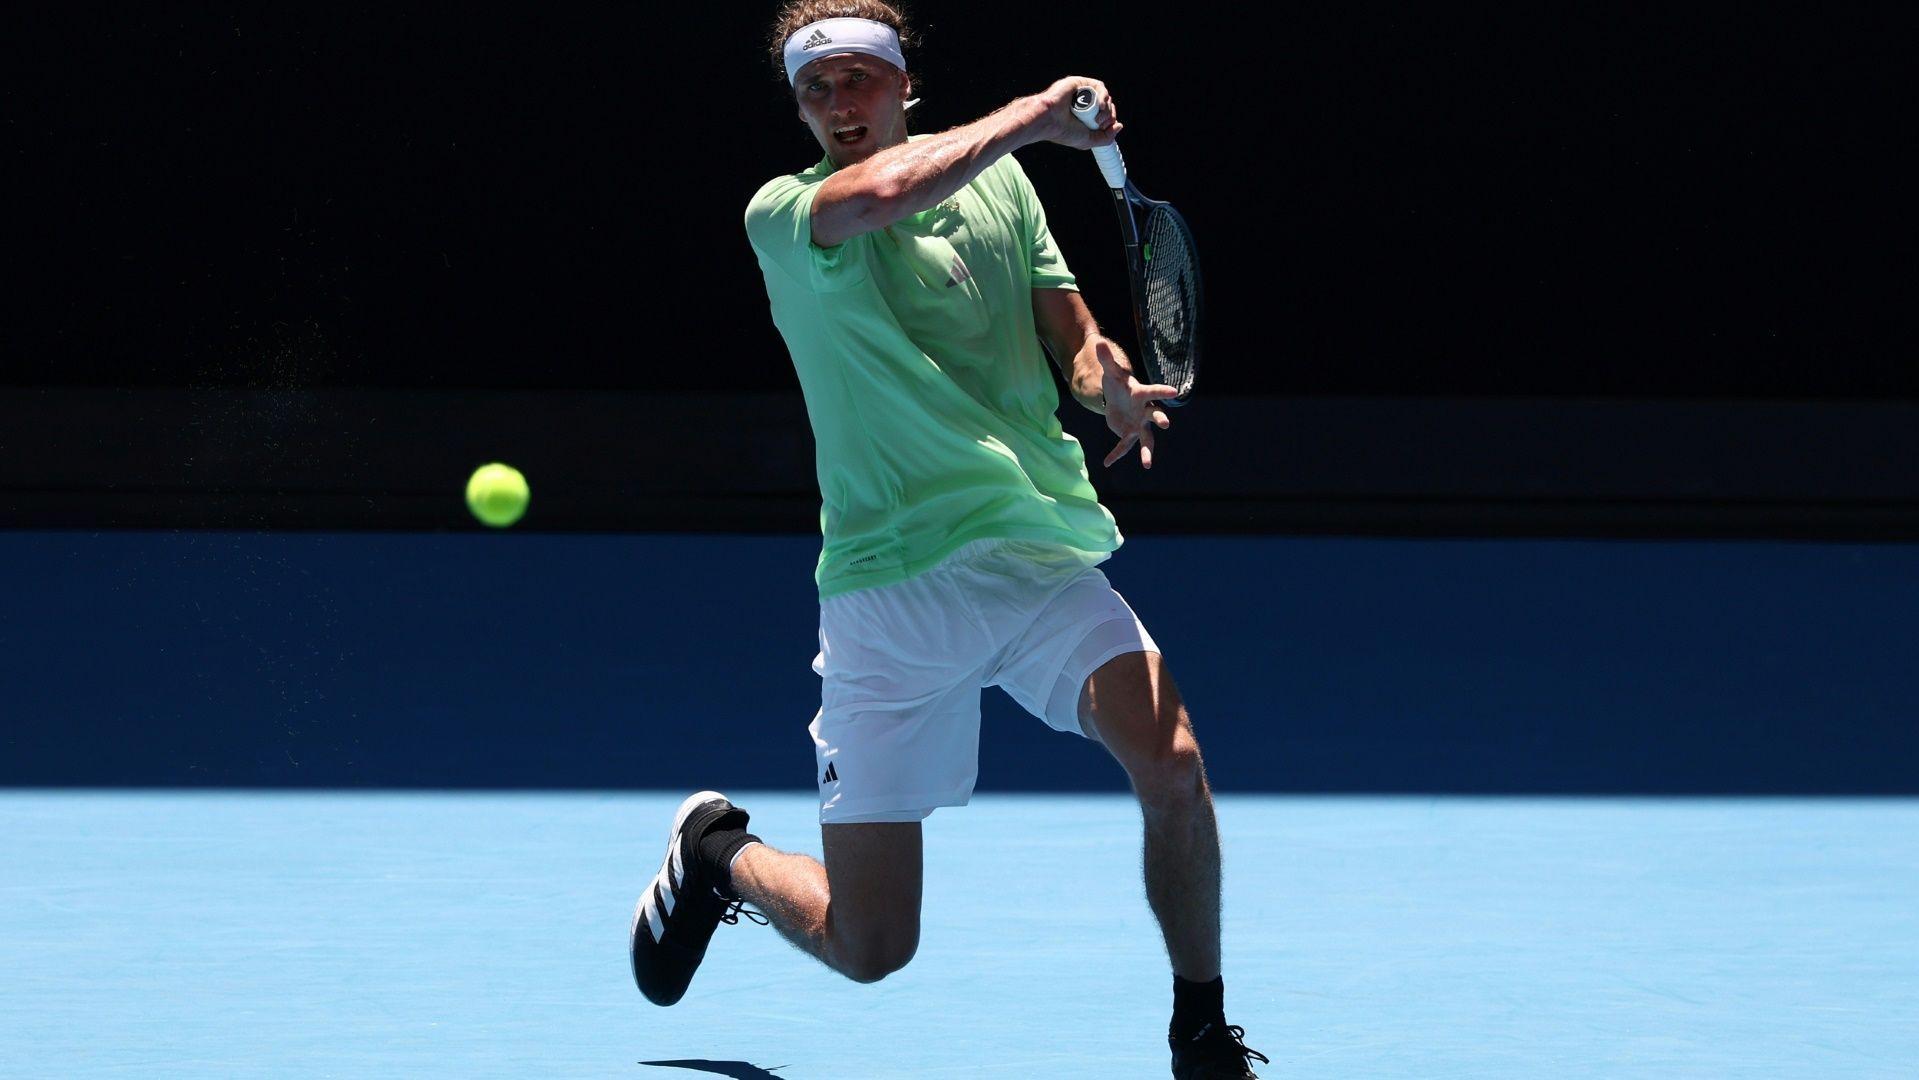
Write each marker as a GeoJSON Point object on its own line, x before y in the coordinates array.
{"type": "Point", "coordinates": [829, 36]}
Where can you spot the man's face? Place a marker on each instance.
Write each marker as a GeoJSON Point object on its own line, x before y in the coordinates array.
{"type": "Point", "coordinates": [854, 104]}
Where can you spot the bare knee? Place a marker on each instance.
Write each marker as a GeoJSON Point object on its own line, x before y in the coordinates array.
{"type": "Point", "coordinates": [873, 954]}
{"type": "Point", "coordinates": [1171, 774]}
{"type": "Point", "coordinates": [1131, 705]}
{"type": "Point", "coordinates": [873, 919]}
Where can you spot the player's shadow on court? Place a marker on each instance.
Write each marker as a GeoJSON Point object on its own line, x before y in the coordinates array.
{"type": "Point", "coordinates": [738, 1070]}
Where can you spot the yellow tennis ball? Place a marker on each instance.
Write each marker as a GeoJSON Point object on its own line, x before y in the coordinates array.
{"type": "Point", "coordinates": [497, 494]}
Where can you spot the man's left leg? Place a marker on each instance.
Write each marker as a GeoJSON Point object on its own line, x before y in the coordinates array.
{"type": "Point", "coordinates": [1132, 707]}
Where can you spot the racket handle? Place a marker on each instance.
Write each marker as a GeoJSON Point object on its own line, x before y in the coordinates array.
{"type": "Point", "coordinates": [1111, 165]}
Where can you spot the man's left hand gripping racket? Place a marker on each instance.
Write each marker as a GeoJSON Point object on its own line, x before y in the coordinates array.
{"type": "Point", "coordinates": [1163, 267]}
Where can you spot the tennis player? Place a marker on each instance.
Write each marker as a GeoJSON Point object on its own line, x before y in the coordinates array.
{"type": "Point", "coordinates": [919, 294]}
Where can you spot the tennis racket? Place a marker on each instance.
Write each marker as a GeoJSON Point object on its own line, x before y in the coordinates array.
{"type": "Point", "coordinates": [1162, 266]}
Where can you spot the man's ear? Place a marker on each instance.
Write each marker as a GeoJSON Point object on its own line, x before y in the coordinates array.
{"type": "Point", "coordinates": [906, 86]}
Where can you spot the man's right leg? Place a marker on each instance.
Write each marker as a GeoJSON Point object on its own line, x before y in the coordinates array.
{"type": "Point", "coordinates": [859, 911]}
{"type": "Point", "coordinates": [896, 735]}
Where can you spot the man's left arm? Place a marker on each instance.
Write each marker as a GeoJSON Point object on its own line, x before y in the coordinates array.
{"type": "Point", "coordinates": [1098, 372]}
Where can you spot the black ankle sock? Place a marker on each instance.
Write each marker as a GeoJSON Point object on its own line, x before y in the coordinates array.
{"type": "Point", "coordinates": [718, 846]}
{"type": "Point", "coordinates": [1196, 1004]}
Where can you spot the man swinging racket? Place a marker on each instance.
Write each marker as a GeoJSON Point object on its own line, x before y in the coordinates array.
{"type": "Point", "coordinates": [919, 293]}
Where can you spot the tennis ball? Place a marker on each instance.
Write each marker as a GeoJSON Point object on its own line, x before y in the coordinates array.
{"type": "Point", "coordinates": [497, 494]}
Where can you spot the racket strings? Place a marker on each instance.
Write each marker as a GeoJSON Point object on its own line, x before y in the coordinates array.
{"type": "Point", "coordinates": [1172, 299]}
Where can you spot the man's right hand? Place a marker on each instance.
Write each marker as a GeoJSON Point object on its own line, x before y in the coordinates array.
{"type": "Point", "coordinates": [1063, 126]}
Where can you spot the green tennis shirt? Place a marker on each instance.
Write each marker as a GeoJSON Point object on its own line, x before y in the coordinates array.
{"type": "Point", "coordinates": [932, 404]}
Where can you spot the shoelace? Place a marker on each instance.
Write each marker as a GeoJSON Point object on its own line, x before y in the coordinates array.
{"type": "Point", "coordinates": [1238, 1035]}
{"type": "Point", "coordinates": [737, 908]}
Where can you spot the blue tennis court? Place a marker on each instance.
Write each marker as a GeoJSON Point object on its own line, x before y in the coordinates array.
{"type": "Point", "coordinates": [274, 807]}
{"type": "Point", "coordinates": [249, 934]}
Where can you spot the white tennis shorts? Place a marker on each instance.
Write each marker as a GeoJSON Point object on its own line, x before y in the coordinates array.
{"type": "Point", "coordinates": [902, 666]}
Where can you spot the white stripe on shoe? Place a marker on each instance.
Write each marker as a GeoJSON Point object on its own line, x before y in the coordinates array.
{"type": "Point", "coordinates": [663, 894]}
{"type": "Point", "coordinates": [653, 918]}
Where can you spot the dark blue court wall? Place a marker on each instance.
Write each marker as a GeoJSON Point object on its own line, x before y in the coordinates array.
{"type": "Point", "coordinates": [536, 660]}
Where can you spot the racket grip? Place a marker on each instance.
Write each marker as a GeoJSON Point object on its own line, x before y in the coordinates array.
{"type": "Point", "coordinates": [1111, 165]}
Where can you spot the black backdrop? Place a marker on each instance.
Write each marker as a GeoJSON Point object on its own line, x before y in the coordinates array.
{"type": "Point", "coordinates": [1615, 269]}
{"type": "Point", "coordinates": [1702, 201]}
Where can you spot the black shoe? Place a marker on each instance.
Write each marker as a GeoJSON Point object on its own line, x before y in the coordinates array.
{"type": "Point", "coordinates": [679, 911]}
{"type": "Point", "coordinates": [1216, 1053]}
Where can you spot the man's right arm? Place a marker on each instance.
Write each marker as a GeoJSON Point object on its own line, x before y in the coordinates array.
{"type": "Point", "coordinates": [917, 175]}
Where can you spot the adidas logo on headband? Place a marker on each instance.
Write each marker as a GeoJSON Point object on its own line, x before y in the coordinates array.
{"type": "Point", "coordinates": [842, 35]}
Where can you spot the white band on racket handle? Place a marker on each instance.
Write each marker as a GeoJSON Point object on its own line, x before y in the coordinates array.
{"type": "Point", "coordinates": [1111, 165]}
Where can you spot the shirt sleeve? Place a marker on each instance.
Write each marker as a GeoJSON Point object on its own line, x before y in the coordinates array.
{"type": "Point", "coordinates": [1043, 255]}
{"type": "Point", "coordinates": [779, 225]}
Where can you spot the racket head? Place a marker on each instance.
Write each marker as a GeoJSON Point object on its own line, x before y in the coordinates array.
{"type": "Point", "coordinates": [1171, 296]}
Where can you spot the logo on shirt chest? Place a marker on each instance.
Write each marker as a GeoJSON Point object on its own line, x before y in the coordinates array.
{"type": "Point", "coordinates": [957, 272]}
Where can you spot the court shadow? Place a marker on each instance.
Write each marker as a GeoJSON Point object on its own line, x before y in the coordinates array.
{"type": "Point", "coordinates": [738, 1070]}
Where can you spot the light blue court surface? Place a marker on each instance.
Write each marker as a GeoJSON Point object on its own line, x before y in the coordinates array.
{"type": "Point", "coordinates": [236, 934]}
